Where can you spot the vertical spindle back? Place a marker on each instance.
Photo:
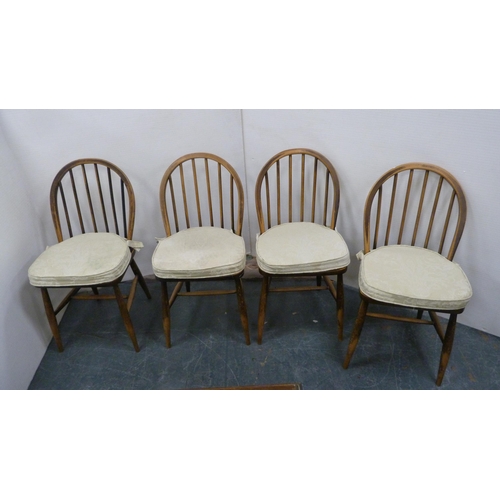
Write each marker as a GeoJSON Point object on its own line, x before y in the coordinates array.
{"type": "Point", "coordinates": [201, 189]}
{"type": "Point", "coordinates": [92, 195]}
{"type": "Point", "coordinates": [415, 204]}
{"type": "Point", "coordinates": [297, 185]}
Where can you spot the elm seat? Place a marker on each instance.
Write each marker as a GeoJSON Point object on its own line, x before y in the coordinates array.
{"type": "Point", "coordinates": [84, 260]}
{"type": "Point", "coordinates": [199, 252]}
{"type": "Point", "coordinates": [301, 247]}
{"type": "Point", "coordinates": [413, 277]}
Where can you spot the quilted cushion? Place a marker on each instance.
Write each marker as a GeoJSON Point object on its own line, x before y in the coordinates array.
{"type": "Point", "coordinates": [301, 247]}
{"type": "Point", "coordinates": [415, 277]}
{"type": "Point", "coordinates": [199, 252]}
{"type": "Point", "coordinates": [86, 259]}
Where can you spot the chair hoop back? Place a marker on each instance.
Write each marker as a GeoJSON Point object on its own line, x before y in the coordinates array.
{"type": "Point", "coordinates": [201, 189]}
{"type": "Point", "coordinates": [297, 185]}
{"type": "Point", "coordinates": [422, 205]}
{"type": "Point", "coordinates": [92, 195]}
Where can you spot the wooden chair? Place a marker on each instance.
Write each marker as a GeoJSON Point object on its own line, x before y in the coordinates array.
{"type": "Point", "coordinates": [201, 201]}
{"type": "Point", "coordinates": [93, 210]}
{"type": "Point", "coordinates": [297, 198]}
{"type": "Point", "coordinates": [410, 210]}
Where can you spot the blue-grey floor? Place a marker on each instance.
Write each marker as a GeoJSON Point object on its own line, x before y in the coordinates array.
{"type": "Point", "coordinates": [300, 345]}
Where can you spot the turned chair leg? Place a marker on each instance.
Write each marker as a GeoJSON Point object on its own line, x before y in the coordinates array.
{"type": "Point", "coordinates": [262, 307]}
{"type": "Point", "coordinates": [49, 311]}
{"type": "Point", "coordinates": [340, 306]}
{"type": "Point", "coordinates": [356, 332]}
{"type": "Point", "coordinates": [243, 309]}
{"type": "Point", "coordinates": [447, 346]}
{"type": "Point", "coordinates": [126, 316]}
{"type": "Point", "coordinates": [165, 308]}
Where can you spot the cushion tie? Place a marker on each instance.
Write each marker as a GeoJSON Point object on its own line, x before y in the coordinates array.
{"type": "Point", "coordinates": [136, 245]}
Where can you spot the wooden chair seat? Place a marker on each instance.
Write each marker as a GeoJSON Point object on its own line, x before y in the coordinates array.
{"type": "Point", "coordinates": [301, 247]}
{"type": "Point", "coordinates": [413, 277]}
{"type": "Point", "coordinates": [202, 205]}
{"type": "Point", "coordinates": [413, 221]}
{"type": "Point", "coordinates": [198, 253]}
{"type": "Point", "coordinates": [85, 260]}
{"type": "Point", "coordinates": [297, 196]}
{"type": "Point", "coordinates": [93, 209]}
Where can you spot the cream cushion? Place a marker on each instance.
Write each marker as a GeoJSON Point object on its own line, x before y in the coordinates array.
{"type": "Point", "coordinates": [83, 260]}
{"type": "Point", "coordinates": [301, 247]}
{"type": "Point", "coordinates": [199, 252]}
{"type": "Point", "coordinates": [415, 277]}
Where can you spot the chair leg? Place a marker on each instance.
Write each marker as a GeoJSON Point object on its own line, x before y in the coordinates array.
{"type": "Point", "coordinates": [140, 277]}
{"type": "Point", "coordinates": [243, 309]}
{"type": "Point", "coordinates": [262, 307]}
{"type": "Point", "coordinates": [356, 332]}
{"type": "Point", "coordinates": [340, 306]}
{"type": "Point", "coordinates": [165, 309]}
{"type": "Point", "coordinates": [126, 316]}
{"type": "Point", "coordinates": [49, 311]}
{"type": "Point", "coordinates": [447, 346]}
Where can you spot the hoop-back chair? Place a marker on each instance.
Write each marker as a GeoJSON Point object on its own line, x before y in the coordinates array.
{"type": "Point", "coordinates": [410, 210]}
{"type": "Point", "coordinates": [201, 201]}
{"type": "Point", "coordinates": [93, 211]}
{"type": "Point", "coordinates": [297, 197]}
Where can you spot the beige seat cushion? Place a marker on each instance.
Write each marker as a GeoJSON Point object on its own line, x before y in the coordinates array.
{"type": "Point", "coordinates": [86, 259]}
{"type": "Point", "coordinates": [414, 277]}
{"type": "Point", "coordinates": [301, 247]}
{"type": "Point", "coordinates": [199, 252]}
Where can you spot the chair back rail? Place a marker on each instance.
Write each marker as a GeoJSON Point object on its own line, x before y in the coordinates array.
{"type": "Point", "coordinates": [201, 189]}
{"type": "Point", "coordinates": [297, 185]}
{"type": "Point", "coordinates": [421, 205]}
{"type": "Point", "coordinates": [92, 195]}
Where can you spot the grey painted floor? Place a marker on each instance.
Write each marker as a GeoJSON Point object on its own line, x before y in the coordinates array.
{"type": "Point", "coordinates": [300, 346]}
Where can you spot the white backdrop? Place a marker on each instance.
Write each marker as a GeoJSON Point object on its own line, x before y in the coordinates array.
{"type": "Point", "coordinates": [362, 144]}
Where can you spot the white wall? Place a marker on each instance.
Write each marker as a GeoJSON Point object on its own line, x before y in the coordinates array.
{"type": "Point", "coordinates": [24, 332]}
{"type": "Point", "coordinates": [362, 144]}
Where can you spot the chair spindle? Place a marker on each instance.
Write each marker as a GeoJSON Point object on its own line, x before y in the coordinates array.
{"type": "Point", "coordinates": [197, 194]}
{"type": "Point", "coordinates": [405, 207]}
{"type": "Point", "coordinates": [420, 205]}
{"type": "Point", "coordinates": [314, 190]}
{"type": "Point", "coordinates": [290, 187]}
{"type": "Point", "coordinates": [377, 220]}
{"type": "Point", "coordinates": [77, 201]}
{"type": "Point", "coordinates": [209, 193]}
{"type": "Point", "coordinates": [302, 180]}
{"type": "Point", "coordinates": [101, 197]}
{"type": "Point", "coordinates": [112, 197]}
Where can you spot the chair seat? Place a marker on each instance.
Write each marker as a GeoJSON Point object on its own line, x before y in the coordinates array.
{"type": "Point", "coordinates": [199, 252]}
{"type": "Point", "coordinates": [414, 277]}
{"type": "Point", "coordinates": [83, 260]}
{"type": "Point", "coordinates": [301, 247]}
